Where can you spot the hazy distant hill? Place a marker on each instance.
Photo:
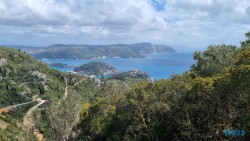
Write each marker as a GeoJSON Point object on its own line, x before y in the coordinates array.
{"type": "Point", "coordinates": [27, 49]}
{"type": "Point", "coordinates": [61, 51]}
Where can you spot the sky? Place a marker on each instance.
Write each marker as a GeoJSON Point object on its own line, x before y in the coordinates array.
{"type": "Point", "coordinates": [186, 24]}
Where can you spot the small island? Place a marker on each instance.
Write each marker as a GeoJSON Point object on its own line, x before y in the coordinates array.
{"type": "Point", "coordinates": [61, 65]}
{"type": "Point", "coordinates": [131, 74]}
{"type": "Point", "coordinates": [95, 68]}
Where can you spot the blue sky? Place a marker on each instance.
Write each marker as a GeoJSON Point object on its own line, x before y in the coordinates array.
{"type": "Point", "coordinates": [187, 23]}
{"type": "Point", "coordinates": [159, 5]}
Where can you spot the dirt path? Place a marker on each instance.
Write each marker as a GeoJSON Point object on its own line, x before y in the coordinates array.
{"type": "Point", "coordinates": [78, 82]}
{"type": "Point", "coordinates": [29, 123]}
{"type": "Point", "coordinates": [66, 89]}
{"type": "Point", "coordinates": [7, 109]}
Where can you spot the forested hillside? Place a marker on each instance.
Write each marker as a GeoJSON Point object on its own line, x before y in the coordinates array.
{"type": "Point", "coordinates": [198, 105]}
{"type": "Point", "coordinates": [213, 96]}
{"type": "Point", "coordinates": [24, 79]}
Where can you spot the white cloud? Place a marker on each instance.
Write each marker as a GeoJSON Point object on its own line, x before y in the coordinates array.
{"type": "Point", "coordinates": [191, 22]}
{"type": "Point", "coordinates": [225, 10]}
{"type": "Point", "coordinates": [113, 15]}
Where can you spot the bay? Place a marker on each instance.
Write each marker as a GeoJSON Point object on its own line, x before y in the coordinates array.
{"type": "Point", "coordinates": [158, 66]}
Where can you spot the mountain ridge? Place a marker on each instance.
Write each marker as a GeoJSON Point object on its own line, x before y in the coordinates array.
{"type": "Point", "coordinates": [73, 51]}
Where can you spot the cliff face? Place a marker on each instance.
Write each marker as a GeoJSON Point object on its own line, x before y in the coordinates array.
{"type": "Point", "coordinates": [96, 68]}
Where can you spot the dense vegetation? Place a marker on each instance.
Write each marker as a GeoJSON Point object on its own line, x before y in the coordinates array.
{"type": "Point", "coordinates": [61, 51]}
{"type": "Point", "coordinates": [23, 79]}
{"type": "Point", "coordinates": [214, 95]}
{"type": "Point", "coordinates": [198, 105]}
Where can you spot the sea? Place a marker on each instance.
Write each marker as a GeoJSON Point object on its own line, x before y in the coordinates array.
{"type": "Point", "coordinates": [158, 66]}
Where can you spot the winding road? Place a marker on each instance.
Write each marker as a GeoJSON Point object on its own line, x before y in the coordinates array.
{"type": "Point", "coordinates": [29, 122]}
{"type": "Point", "coordinates": [7, 109]}
{"type": "Point", "coordinates": [28, 116]}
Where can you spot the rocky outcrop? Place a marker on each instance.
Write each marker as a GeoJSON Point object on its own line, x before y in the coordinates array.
{"type": "Point", "coordinates": [3, 62]}
{"type": "Point", "coordinates": [39, 75]}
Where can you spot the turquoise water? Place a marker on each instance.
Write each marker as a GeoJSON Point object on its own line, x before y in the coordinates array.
{"type": "Point", "coordinates": [158, 66]}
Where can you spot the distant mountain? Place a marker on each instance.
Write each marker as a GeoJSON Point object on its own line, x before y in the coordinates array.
{"type": "Point", "coordinates": [95, 68]}
{"type": "Point", "coordinates": [61, 51]}
{"type": "Point", "coordinates": [17, 46]}
{"type": "Point", "coordinates": [27, 49]}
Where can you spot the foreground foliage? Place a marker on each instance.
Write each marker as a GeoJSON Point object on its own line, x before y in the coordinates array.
{"type": "Point", "coordinates": [198, 105]}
